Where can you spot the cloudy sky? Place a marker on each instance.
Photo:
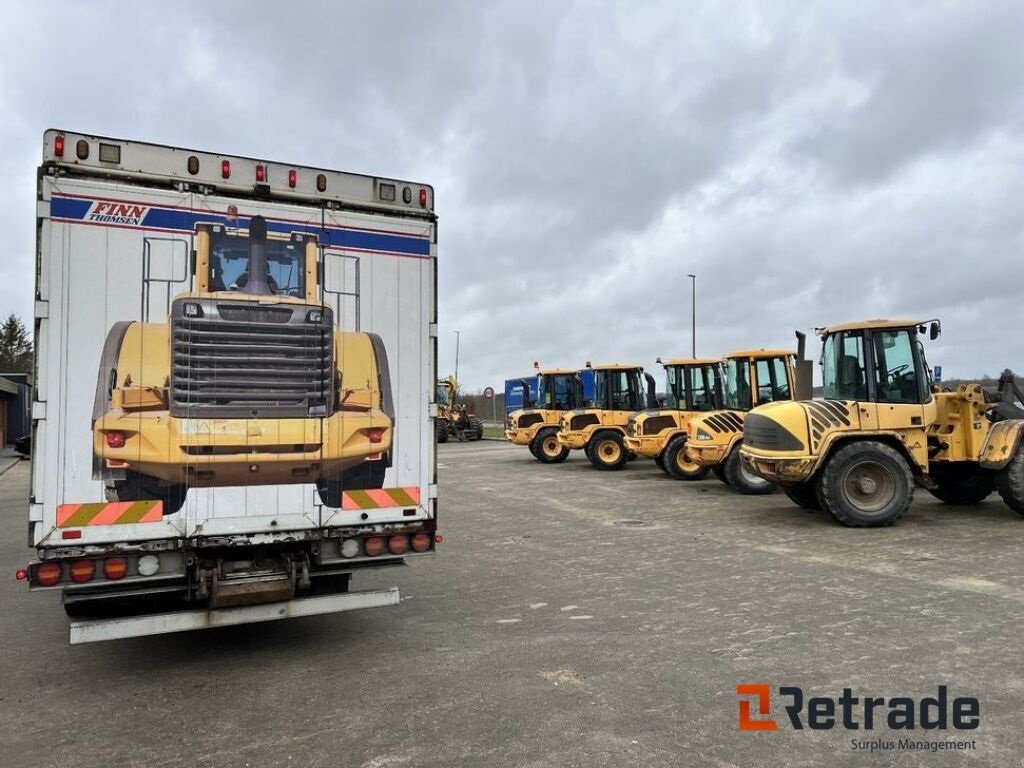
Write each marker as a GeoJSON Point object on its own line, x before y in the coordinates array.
{"type": "Point", "coordinates": [810, 163]}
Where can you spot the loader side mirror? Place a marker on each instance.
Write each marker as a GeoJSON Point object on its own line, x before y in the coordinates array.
{"type": "Point", "coordinates": [934, 330]}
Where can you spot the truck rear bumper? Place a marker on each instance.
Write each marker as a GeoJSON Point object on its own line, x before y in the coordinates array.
{"type": "Point", "coordinates": [181, 621]}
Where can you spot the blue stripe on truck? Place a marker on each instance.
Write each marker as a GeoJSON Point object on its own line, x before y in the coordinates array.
{"type": "Point", "coordinates": [185, 220]}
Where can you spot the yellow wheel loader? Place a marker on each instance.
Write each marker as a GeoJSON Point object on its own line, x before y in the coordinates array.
{"type": "Point", "coordinates": [536, 426]}
{"type": "Point", "coordinates": [883, 427]}
{"type": "Point", "coordinates": [453, 418]}
{"type": "Point", "coordinates": [752, 377]}
{"type": "Point", "coordinates": [249, 382]}
{"type": "Point", "coordinates": [692, 387]}
{"type": "Point", "coordinates": [600, 429]}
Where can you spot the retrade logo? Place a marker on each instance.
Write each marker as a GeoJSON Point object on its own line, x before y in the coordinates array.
{"type": "Point", "coordinates": [849, 712]}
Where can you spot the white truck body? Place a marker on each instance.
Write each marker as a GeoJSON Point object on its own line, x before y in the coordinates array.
{"type": "Point", "coordinates": [116, 244]}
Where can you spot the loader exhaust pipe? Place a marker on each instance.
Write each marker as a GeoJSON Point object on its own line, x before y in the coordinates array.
{"type": "Point", "coordinates": [257, 284]}
{"type": "Point", "coordinates": [652, 396]}
{"type": "Point", "coordinates": [803, 388]}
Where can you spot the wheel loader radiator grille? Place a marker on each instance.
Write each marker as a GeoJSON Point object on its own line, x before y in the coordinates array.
{"type": "Point", "coordinates": [235, 360]}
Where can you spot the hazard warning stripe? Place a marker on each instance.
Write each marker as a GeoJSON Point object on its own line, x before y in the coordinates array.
{"type": "Point", "coordinates": [113, 513]}
{"type": "Point", "coordinates": [375, 498]}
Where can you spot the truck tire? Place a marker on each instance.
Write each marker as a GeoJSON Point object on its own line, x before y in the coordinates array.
{"type": "Point", "coordinates": [136, 487]}
{"type": "Point", "coordinates": [474, 428]}
{"type": "Point", "coordinates": [606, 450]}
{"type": "Point", "coordinates": [804, 495]}
{"type": "Point", "coordinates": [963, 485]}
{"type": "Point", "coordinates": [1010, 482]}
{"type": "Point", "coordinates": [678, 464]}
{"type": "Point", "coordinates": [741, 479]}
{"type": "Point", "coordinates": [442, 431]}
{"type": "Point", "coordinates": [547, 449]}
{"type": "Point", "coordinates": [718, 470]}
{"type": "Point", "coordinates": [867, 484]}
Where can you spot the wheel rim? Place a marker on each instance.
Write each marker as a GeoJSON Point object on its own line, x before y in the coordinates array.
{"type": "Point", "coordinates": [684, 463]}
{"type": "Point", "coordinates": [749, 477]}
{"type": "Point", "coordinates": [869, 486]}
{"type": "Point", "coordinates": [609, 451]}
{"type": "Point", "coordinates": [551, 447]}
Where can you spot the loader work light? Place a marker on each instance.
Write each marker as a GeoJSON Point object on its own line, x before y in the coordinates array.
{"type": "Point", "coordinates": [315, 316]}
{"type": "Point", "coordinates": [191, 309]}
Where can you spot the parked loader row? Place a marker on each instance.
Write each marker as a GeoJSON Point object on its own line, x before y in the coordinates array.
{"type": "Point", "coordinates": [882, 428]}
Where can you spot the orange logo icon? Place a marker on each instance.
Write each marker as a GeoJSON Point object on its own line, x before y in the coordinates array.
{"type": "Point", "coordinates": [763, 692]}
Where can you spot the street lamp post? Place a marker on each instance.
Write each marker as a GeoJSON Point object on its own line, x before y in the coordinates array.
{"type": "Point", "coordinates": [457, 338]}
{"type": "Point", "coordinates": [693, 304]}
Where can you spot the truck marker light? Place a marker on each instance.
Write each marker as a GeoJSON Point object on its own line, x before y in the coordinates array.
{"type": "Point", "coordinates": [261, 173]}
{"type": "Point", "coordinates": [423, 198]}
{"type": "Point", "coordinates": [406, 195]}
{"type": "Point", "coordinates": [115, 568]}
{"type": "Point", "coordinates": [321, 182]}
{"type": "Point", "coordinates": [82, 149]}
{"type": "Point", "coordinates": [225, 169]}
{"type": "Point", "coordinates": [193, 164]}
{"type": "Point", "coordinates": [58, 145]}
{"type": "Point", "coordinates": [115, 439]}
{"type": "Point", "coordinates": [72, 534]}
{"type": "Point", "coordinates": [398, 545]}
{"type": "Point", "coordinates": [421, 542]}
{"type": "Point", "coordinates": [350, 547]}
{"type": "Point", "coordinates": [375, 434]}
{"type": "Point", "coordinates": [373, 546]}
{"type": "Point", "coordinates": [48, 574]}
{"type": "Point", "coordinates": [21, 574]}
{"type": "Point", "coordinates": [293, 179]}
{"type": "Point", "coordinates": [438, 538]}
{"type": "Point", "coordinates": [148, 565]}
{"type": "Point", "coordinates": [82, 571]}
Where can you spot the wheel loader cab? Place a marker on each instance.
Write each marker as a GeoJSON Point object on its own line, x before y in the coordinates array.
{"type": "Point", "coordinates": [249, 381]}
{"type": "Point", "coordinates": [692, 386]}
{"type": "Point", "coordinates": [599, 427]}
{"type": "Point", "coordinates": [536, 426]}
{"type": "Point", "coordinates": [751, 378]}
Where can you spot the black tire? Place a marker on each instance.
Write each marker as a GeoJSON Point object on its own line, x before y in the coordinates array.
{"type": "Point", "coordinates": [1010, 482]}
{"type": "Point", "coordinates": [442, 431]}
{"type": "Point", "coordinates": [136, 487]}
{"type": "Point", "coordinates": [963, 485]}
{"type": "Point", "coordinates": [743, 480]}
{"type": "Point", "coordinates": [804, 495]}
{"type": "Point", "coordinates": [718, 470]}
{"type": "Point", "coordinates": [532, 446]}
{"type": "Point", "coordinates": [607, 451]}
{"type": "Point", "coordinates": [677, 463]}
{"type": "Point", "coordinates": [866, 484]}
{"type": "Point", "coordinates": [474, 428]}
{"type": "Point", "coordinates": [547, 449]}
{"type": "Point", "coordinates": [369, 474]}
{"type": "Point", "coordinates": [660, 462]}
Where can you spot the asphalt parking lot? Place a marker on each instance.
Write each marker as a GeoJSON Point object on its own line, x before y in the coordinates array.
{"type": "Point", "coordinates": [573, 618]}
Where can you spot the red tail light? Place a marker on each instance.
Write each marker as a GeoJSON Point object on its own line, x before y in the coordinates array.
{"type": "Point", "coordinates": [115, 568]}
{"type": "Point", "coordinates": [375, 435]}
{"type": "Point", "coordinates": [261, 173]}
{"type": "Point", "coordinates": [398, 545]}
{"type": "Point", "coordinates": [423, 198]}
{"type": "Point", "coordinates": [82, 571]}
{"type": "Point", "coordinates": [293, 179]}
{"type": "Point", "coordinates": [58, 145]}
{"type": "Point", "coordinates": [373, 546]}
{"type": "Point", "coordinates": [438, 538]}
{"type": "Point", "coordinates": [48, 574]}
{"type": "Point", "coordinates": [74, 533]}
{"type": "Point", "coordinates": [115, 439]}
{"type": "Point", "coordinates": [225, 169]}
{"type": "Point", "coordinates": [421, 542]}
{"type": "Point", "coordinates": [21, 574]}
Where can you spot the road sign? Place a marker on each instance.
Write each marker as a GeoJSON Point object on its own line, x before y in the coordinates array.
{"type": "Point", "coordinates": [938, 373]}
{"type": "Point", "coordinates": [489, 392]}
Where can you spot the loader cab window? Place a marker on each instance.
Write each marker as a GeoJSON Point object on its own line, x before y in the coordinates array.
{"type": "Point", "coordinates": [618, 390]}
{"type": "Point", "coordinates": [843, 367]}
{"type": "Point", "coordinates": [772, 381]}
{"type": "Point", "coordinates": [229, 265]}
{"type": "Point", "coordinates": [897, 375]}
{"type": "Point", "coordinates": [737, 385]}
{"type": "Point", "coordinates": [442, 394]}
{"type": "Point", "coordinates": [559, 391]}
{"type": "Point", "coordinates": [692, 388]}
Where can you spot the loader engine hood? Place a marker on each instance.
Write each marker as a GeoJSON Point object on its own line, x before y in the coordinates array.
{"type": "Point", "coordinates": [716, 427]}
{"type": "Point", "coordinates": [796, 428]}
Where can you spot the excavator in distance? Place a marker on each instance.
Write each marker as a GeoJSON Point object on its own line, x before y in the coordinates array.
{"type": "Point", "coordinates": [453, 418]}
